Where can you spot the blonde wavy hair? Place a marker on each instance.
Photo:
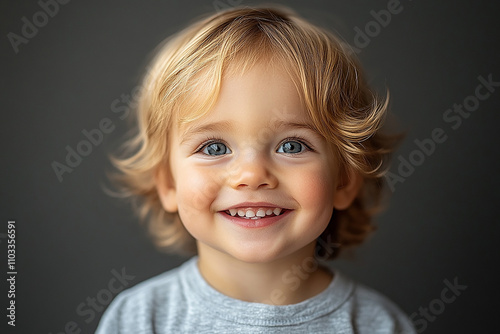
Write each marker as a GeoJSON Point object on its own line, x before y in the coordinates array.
{"type": "Point", "coordinates": [341, 106]}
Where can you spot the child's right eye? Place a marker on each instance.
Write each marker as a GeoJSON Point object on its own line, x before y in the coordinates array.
{"type": "Point", "coordinates": [215, 148]}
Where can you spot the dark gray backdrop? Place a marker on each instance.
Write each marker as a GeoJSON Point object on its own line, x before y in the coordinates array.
{"type": "Point", "coordinates": [72, 73]}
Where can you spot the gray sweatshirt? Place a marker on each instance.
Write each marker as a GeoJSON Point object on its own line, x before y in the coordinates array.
{"type": "Point", "coordinates": [181, 301]}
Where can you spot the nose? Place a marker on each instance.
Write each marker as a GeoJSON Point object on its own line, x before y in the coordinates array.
{"type": "Point", "coordinates": [252, 171]}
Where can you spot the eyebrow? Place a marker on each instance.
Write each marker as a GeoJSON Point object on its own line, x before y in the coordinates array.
{"type": "Point", "coordinates": [282, 124]}
{"type": "Point", "coordinates": [210, 127]}
{"type": "Point", "coordinates": [226, 126]}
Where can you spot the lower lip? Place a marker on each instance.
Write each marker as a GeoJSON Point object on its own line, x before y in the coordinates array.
{"type": "Point", "coordinates": [255, 223]}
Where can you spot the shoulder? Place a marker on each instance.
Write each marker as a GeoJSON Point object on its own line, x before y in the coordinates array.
{"type": "Point", "coordinates": [136, 306]}
{"type": "Point", "coordinates": [373, 312]}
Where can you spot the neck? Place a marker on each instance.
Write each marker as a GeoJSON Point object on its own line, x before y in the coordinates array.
{"type": "Point", "coordinates": [288, 280]}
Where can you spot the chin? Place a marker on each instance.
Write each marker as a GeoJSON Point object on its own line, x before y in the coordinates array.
{"type": "Point", "coordinates": [255, 255]}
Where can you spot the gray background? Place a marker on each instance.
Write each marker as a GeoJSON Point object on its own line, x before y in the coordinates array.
{"type": "Point", "coordinates": [441, 222]}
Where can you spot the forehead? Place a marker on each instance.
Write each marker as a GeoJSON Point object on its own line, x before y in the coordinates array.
{"type": "Point", "coordinates": [263, 92]}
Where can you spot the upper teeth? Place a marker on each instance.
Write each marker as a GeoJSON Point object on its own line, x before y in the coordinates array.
{"type": "Point", "coordinates": [255, 213]}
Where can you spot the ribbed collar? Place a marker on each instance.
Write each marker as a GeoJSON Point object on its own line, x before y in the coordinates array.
{"type": "Point", "coordinates": [219, 305]}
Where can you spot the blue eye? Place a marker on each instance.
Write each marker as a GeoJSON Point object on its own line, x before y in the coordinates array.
{"type": "Point", "coordinates": [216, 149]}
{"type": "Point", "coordinates": [291, 147]}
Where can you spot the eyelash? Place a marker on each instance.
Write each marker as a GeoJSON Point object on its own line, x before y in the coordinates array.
{"type": "Point", "coordinates": [299, 140]}
{"type": "Point", "coordinates": [208, 141]}
{"type": "Point", "coordinates": [212, 140]}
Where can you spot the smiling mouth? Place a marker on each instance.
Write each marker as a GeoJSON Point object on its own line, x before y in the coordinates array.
{"type": "Point", "coordinates": [255, 213]}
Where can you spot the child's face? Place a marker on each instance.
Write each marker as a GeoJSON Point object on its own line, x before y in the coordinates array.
{"type": "Point", "coordinates": [254, 153]}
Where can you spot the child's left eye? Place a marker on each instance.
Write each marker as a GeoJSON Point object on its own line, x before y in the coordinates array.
{"type": "Point", "coordinates": [291, 147]}
{"type": "Point", "coordinates": [215, 149]}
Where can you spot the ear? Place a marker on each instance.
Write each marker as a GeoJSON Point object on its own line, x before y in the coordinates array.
{"type": "Point", "coordinates": [347, 189]}
{"type": "Point", "coordinates": [165, 186]}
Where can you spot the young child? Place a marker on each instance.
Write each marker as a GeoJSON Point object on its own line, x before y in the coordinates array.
{"type": "Point", "coordinates": [258, 149]}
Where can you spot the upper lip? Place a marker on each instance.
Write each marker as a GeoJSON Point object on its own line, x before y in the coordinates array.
{"type": "Point", "coordinates": [255, 205]}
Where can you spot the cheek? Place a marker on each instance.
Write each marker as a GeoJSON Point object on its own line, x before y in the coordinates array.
{"type": "Point", "coordinates": [315, 191]}
{"type": "Point", "coordinates": [195, 193]}
{"type": "Point", "coordinates": [314, 187]}
{"type": "Point", "coordinates": [196, 188]}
